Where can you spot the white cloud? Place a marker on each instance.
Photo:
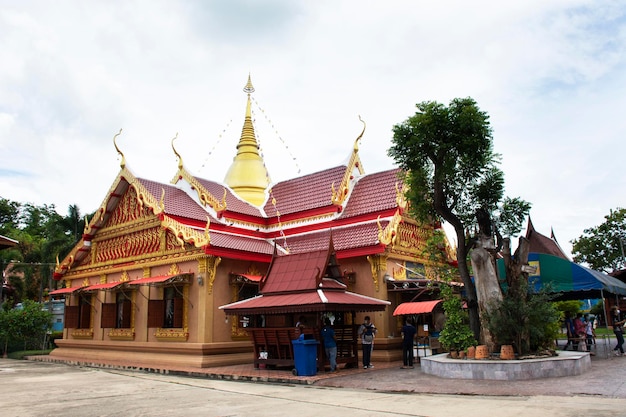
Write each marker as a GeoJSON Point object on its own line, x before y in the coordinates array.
{"type": "Point", "coordinates": [550, 74]}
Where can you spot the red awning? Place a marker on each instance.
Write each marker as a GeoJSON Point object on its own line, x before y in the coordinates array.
{"type": "Point", "coordinates": [64, 291]}
{"type": "Point", "coordinates": [418, 307]}
{"type": "Point", "coordinates": [105, 286]}
{"type": "Point", "coordinates": [162, 279]}
{"type": "Point", "coordinates": [254, 278]}
{"type": "Point", "coordinates": [309, 301]}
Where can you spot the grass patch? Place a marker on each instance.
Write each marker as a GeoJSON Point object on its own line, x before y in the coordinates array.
{"type": "Point", "coordinates": [20, 354]}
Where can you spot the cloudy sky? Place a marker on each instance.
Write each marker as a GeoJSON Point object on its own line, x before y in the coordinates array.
{"type": "Point", "coordinates": [551, 74]}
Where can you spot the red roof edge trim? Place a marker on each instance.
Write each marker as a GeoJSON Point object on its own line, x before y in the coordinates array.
{"type": "Point", "coordinates": [366, 250]}
{"type": "Point", "coordinates": [329, 209]}
{"type": "Point", "coordinates": [232, 254]}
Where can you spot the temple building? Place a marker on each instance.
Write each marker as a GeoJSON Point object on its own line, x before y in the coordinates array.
{"type": "Point", "coordinates": [157, 261]}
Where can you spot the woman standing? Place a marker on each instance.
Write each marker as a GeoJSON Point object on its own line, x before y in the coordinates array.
{"type": "Point", "coordinates": [618, 329]}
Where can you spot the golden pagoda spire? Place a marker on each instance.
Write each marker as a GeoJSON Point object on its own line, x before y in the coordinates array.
{"type": "Point", "coordinates": [247, 175]}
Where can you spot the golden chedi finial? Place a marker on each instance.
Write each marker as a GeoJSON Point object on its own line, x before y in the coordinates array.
{"type": "Point", "coordinates": [247, 175]}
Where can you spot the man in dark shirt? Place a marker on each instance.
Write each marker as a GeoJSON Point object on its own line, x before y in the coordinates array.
{"type": "Point", "coordinates": [408, 336]}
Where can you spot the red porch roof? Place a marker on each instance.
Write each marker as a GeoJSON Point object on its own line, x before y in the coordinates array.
{"type": "Point", "coordinates": [160, 279]}
{"type": "Point", "coordinates": [418, 307]}
{"type": "Point", "coordinates": [310, 301]}
{"type": "Point", "coordinates": [64, 290]}
{"type": "Point", "coordinates": [105, 286]}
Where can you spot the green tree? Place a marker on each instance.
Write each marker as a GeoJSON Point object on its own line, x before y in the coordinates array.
{"type": "Point", "coordinates": [27, 324]}
{"type": "Point", "coordinates": [43, 235]}
{"type": "Point", "coordinates": [602, 247]}
{"type": "Point", "coordinates": [452, 173]}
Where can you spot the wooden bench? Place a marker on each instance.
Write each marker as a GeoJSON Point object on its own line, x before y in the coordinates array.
{"type": "Point", "coordinates": [276, 343]}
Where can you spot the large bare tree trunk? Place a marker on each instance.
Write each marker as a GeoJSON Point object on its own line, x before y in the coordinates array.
{"type": "Point", "coordinates": [488, 292]}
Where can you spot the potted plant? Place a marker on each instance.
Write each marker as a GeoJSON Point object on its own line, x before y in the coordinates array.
{"type": "Point", "coordinates": [456, 335]}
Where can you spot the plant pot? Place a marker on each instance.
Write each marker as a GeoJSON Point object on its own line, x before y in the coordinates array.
{"type": "Point", "coordinates": [507, 352]}
{"type": "Point", "coordinates": [482, 352]}
{"type": "Point", "coordinates": [461, 354]}
{"type": "Point", "coordinates": [471, 352]}
{"type": "Point", "coordinates": [454, 354]}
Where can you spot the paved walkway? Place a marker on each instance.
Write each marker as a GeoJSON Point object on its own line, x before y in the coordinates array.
{"type": "Point", "coordinates": [605, 378]}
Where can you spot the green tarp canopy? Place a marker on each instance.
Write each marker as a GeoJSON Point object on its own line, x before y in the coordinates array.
{"type": "Point", "coordinates": [573, 281]}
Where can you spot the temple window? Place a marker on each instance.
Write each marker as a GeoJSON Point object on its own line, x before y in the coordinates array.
{"type": "Point", "coordinates": [117, 315]}
{"type": "Point", "coordinates": [245, 286]}
{"type": "Point", "coordinates": [168, 312]}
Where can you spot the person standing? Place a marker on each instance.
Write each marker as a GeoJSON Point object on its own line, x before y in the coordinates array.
{"type": "Point", "coordinates": [589, 333]}
{"type": "Point", "coordinates": [330, 344]}
{"type": "Point", "coordinates": [618, 330]}
{"type": "Point", "coordinates": [367, 332]}
{"type": "Point", "coordinates": [408, 337]}
{"type": "Point", "coordinates": [571, 331]}
{"type": "Point", "coordinates": [579, 328]}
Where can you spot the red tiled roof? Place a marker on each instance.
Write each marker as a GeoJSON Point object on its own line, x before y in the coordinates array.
{"type": "Point", "coordinates": [344, 238]}
{"type": "Point", "coordinates": [305, 193]}
{"type": "Point", "coordinates": [305, 302]}
{"type": "Point", "coordinates": [241, 243]}
{"type": "Point", "coordinates": [176, 201]}
{"type": "Point", "coordinates": [418, 307]}
{"type": "Point", "coordinates": [233, 203]}
{"type": "Point", "coordinates": [292, 273]}
{"type": "Point", "coordinates": [372, 193]}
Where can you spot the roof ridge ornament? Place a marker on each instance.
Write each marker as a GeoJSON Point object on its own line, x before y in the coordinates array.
{"type": "Point", "coordinates": [339, 196]}
{"type": "Point", "coordinates": [123, 159]}
{"type": "Point", "coordinates": [180, 158]}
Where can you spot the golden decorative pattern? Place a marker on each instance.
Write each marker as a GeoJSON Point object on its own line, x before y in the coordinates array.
{"type": "Point", "coordinates": [124, 277]}
{"type": "Point", "coordinates": [82, 333]}
{"type": "Point", "coordinates": [174, 270]}
{"type": "Point", "coordinates": [85, 282]}
{"type": "Point", "coordinates": [205, 197]}
{"type": "Point", "coordinates": [122, 334]}
{"type": "Point", "coordinates": [184, 233]}
{"type": "Point", "coordinates": [400, 273]}
{"type": "Point", "coordinates": [412, 238]}
{"type": "Point", "coordinates": [211, 270]}
{"type": "Point", "coordinates": [172, 335]}
{"type": "Point", "coordinates": [401, 199]}
{"type": "Point", "coordinates": [338, 196]}
{"type": "Point", "coordinates": [139, 243]}
{"type": "Point", "coordinates": [387, 236]}
{"type": "Point", "coordinates": [378, 265]}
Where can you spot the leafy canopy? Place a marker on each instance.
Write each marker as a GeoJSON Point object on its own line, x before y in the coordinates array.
{"type": "Point", "coordinates": [451, 166]}
{"type": "Point", "coordinates": [602, 247]}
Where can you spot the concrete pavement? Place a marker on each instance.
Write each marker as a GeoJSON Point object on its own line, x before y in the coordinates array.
{"type": "Point", "coordinates": [33, 388]}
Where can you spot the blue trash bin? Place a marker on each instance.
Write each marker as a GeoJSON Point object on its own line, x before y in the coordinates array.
{"type": "Point", "coordinates": [305, 356]}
